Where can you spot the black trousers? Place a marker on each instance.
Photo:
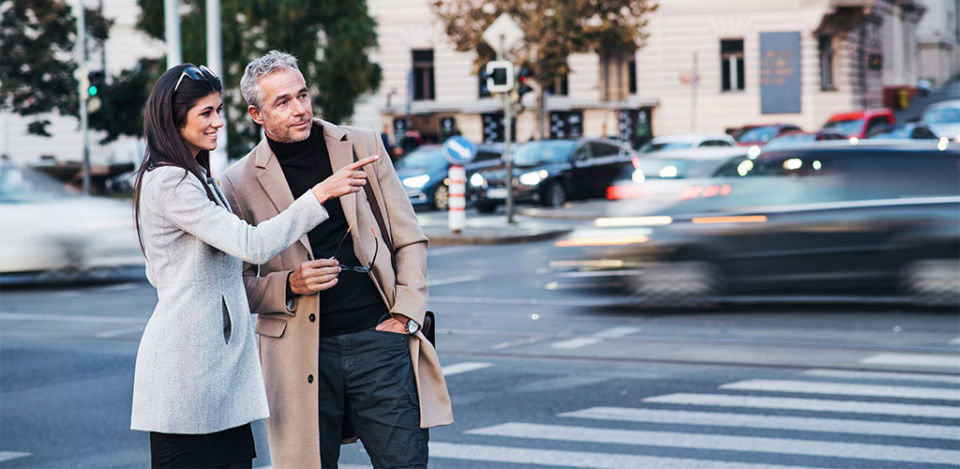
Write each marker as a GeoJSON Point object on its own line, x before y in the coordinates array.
{"type": "Point", "coordinates": [231, 448]}
{"type": "Point", "coordinates": [367, 377]}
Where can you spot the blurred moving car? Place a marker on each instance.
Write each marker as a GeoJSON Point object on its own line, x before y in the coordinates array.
{"type": "Point", "coordinates": [679, 142]}
{"type": "Point", "coordinates": [793, 139]}
{"type": "Point", "coordinates": [50, 229]}
{"type": "Point", "coordinates": [423, 173]}
{"type": "Point", "coordinates": [910, 130]}
{"type": "Point", "coordinates": [861, 223]}
{"type": "Point", "coordinates": [860, 123]}
{"type": "Point", "coordinates": [943, 118]}
{"type": "Point", "coordinates": [761, 134]}
{"type": "Point", "coordinates": [664, 174]}
{"type": "Point", "coordinates": [550, 172]}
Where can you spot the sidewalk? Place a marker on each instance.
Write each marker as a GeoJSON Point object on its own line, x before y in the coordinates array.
{"type": "Point", "coordinates": [491, 229]}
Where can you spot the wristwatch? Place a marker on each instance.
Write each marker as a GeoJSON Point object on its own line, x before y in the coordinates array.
{"type": "Point", "coordinates": [412, 327]}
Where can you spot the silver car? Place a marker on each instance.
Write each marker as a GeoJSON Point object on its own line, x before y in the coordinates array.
{"type": "Point", "coordinates": [50, 229]}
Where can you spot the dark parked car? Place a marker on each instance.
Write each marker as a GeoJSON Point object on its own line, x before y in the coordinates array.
{"type": "Point", "coordinates": [854, 223]}
{"type": "Point", "coordinates": [910, 130]}
{"type": "Point", "coordinates": [550, 172]}
{"type": "Point", "coordinates": [423, 173]}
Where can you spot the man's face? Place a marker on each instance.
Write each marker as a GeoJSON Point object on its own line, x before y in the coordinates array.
{"type": "Point", "coordinates": [286, 115]}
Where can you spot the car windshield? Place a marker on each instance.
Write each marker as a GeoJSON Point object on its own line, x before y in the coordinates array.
{"type": "Point", "coordinates": [659, 146]}
{"type": "Point", "coordinates": [759, 134]}
{"type": "Point", "coordinates": [943, 116]}
{"type": "Point", "coordinates": [423, 159]}
{"type": "Point", "coordinates": [537, 153]}
{"type": "Point", "coordinates": [896, 132]}
{"type": "Point", "coordinates": [848, 127]}
{"type": "Point", "coordinates": [26, 185]}
{"type": "Point", "coordinates": [788, 140]}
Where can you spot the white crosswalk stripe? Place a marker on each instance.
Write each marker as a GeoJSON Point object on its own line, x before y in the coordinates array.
{"type": "Point", "coordinates": [883, 376]}
{"type": "Point", "coordinates": [551, 457]}
{"type": "Point", "coordinates": [11, 455]}
{"type": "Point", "coordinates": [809, 387]}
{"type": "Point", "coordinates": [815, 405]}
{"type": "Point", "coordinates": [915, 359]}
{"type": "Point", "coordinates": [463, 368]}
{"type": "Point", "coordinates": [863, 427]}
{"type": "Point", "coordinates": [722, 442]}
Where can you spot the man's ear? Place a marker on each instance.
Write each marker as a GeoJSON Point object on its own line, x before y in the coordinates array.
{"type": "Point", "coordinates": [255, 114]}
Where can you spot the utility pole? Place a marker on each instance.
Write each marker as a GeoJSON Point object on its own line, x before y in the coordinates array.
{"type": "Point", "coordinates": [82, 57]}
{"type": "Point", "coordinates": [218, 159]}
{"type": "Point", "coordinates": [171, 22]}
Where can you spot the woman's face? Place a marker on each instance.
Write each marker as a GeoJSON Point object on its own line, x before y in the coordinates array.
{"type": "Point", "coordinates": [202, 123]}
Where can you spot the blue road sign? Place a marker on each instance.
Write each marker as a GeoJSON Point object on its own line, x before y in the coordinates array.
{"type": "Point", "coordinates": [458, 150]}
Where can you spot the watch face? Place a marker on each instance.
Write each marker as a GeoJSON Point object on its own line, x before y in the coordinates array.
{"type": "Point", "coordinates": [412, 327]}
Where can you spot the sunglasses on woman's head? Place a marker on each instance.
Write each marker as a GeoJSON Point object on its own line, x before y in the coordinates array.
{"type": "Point", "coordinates": [194, 73]}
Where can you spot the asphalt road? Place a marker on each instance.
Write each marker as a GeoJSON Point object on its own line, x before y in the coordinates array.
{"type": "Point", "coordinates": [545, 378]}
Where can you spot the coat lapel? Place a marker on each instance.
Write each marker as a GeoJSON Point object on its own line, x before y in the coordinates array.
{"type": "Point", "coordinates": [274, 184]}
{"type": "Point", "coordinates": [341, 154]}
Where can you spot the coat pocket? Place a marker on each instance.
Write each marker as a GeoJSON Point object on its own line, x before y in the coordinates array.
{"type": "Point", "coordinates": [271, 327]}
{"type": "Point", "coordinates": [227, 324]}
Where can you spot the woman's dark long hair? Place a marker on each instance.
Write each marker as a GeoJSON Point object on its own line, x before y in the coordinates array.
{"type": "Point", "coordinates": [166, 114]}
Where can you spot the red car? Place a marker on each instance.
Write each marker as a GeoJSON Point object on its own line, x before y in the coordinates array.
{"type": "Point", "coordinates": [860, 123]}
{"type": "Point", "coordinates": [761, 134]}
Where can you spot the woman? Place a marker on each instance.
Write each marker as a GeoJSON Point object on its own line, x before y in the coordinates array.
{"type": "Point", "coordinates": [197, 384]}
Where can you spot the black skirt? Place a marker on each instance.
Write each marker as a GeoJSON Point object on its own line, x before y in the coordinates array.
{"type": "Point", "coordinates": [207, 450]}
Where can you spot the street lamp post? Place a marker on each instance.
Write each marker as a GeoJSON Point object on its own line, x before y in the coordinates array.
{"type": "Point", "coordinates": [82, 57]}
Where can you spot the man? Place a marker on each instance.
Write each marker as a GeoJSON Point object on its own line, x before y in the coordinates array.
{"type": "Point", "coordinates": [340, 311]}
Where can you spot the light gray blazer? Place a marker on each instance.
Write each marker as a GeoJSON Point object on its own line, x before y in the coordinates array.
{"type": "Point", "coordinates": [197, 366]}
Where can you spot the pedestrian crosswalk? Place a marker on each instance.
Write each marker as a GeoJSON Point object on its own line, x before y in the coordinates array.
{"type": "Point", "coordinates": [816, 418]}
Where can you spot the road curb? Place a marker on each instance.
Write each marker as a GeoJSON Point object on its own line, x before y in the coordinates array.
{"type": "Point", "coordinates": [478, 237]}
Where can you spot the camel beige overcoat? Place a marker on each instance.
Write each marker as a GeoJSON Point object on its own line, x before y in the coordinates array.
{"type": "Point", "coordinates": [289, 333]}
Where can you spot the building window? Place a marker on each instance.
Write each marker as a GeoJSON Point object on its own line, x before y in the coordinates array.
{"type": "Point", "coordinates": [825, 46]}
{"type": "Point", "coordinates": [423, 75]}
{"type": "Point", "coordinates": [556, 87]}
{"type": "Point", "coordinates": [632, 75]}
{"type": "Point", "coordinates": [731, 65]}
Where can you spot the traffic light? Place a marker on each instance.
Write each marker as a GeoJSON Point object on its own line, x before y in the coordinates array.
{"type": "Point", "coordinates": [523, 83]}
{"type": "Point", "coordinates": [499, 76]}
{"type": "Point", "coordinates": [96, 87]}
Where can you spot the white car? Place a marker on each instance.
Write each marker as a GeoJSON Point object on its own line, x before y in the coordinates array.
{"type": "Point", "coordinates": [943, 118]}
{"type": "Point", "coordinates": [685, 141]}
{"type": "Point", "coordinates": [50, 229]}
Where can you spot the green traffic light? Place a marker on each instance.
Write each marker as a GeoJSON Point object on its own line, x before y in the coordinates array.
{"type": "Point", "coordinates": [92, 90]}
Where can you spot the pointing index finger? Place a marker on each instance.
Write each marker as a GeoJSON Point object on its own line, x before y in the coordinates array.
{"type": "Point", "coordinates": [359, 164]}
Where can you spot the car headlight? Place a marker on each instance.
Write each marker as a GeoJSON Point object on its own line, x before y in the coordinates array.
{"type": "Point", "coordinates": [477, 180]}
{"type": "Point", "coordinates": [533, 178]}
{"type": "Point", "coordinates": [669, 171]}
{"type": "Point", "coordinates": [638, 176]}
{"type": "Point", "coordinates": [416, 182]}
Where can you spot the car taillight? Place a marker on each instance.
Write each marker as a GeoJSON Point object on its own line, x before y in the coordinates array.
{"type": "Point", "coordinates": [635, 161]}
{"type": "Point", "coordinates": [629, 191]}
{"type": "Point", "coordinates": [692, 192]}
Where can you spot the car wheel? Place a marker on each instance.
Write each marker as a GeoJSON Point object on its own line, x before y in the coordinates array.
{"type": "Point", "coordinates": [485, 208]}
{"type": "Point", "coordinates": [932, 282]}
{"type": "Point", "coordinates": [441, 197]}
{"type": "Point", "coordinates": [554, 195]}
{"type": "Point", "coordinates": [685, 284]}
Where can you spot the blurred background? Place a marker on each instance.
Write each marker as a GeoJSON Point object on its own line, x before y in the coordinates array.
{"type": "Point", "coordinates": [728, 235]}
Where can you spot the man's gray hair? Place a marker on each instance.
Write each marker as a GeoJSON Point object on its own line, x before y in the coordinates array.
{"type": "Point", "coordinates": [259, 68]}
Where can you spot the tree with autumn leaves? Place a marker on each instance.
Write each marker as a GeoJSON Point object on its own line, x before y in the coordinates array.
{"type": "Point", "coordinates": [553, 29]}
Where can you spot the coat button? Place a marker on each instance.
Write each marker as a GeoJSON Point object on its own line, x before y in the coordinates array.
{"type": "Point", "coordinates": [313, 317]}
{"type": "Point", "coordinates": [310, 378]}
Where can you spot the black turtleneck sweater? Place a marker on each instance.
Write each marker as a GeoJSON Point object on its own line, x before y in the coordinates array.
{"type": "Point", "coordinates": [353, 304]}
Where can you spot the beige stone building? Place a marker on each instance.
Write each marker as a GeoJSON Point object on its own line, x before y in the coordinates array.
{"type": "Point", "coordinates": [757, 61]}
{"type": "Point", "coordinates": [938, 35]}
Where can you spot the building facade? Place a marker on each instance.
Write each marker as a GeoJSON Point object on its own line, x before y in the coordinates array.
{"type": "Point", "coordinates": [938, 37]}
{"type": "Point", "coordinates": [706, 67]}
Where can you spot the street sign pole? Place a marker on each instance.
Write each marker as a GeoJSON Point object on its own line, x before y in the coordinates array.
{"type": "Point", "coordinates": [507, 136]}
{"type": "Point", "coordinates": [502, 35]}
{"type": "Point", "coordinates": [82, 45]}
{"type": "Point", "coordinates": [171, 22]}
